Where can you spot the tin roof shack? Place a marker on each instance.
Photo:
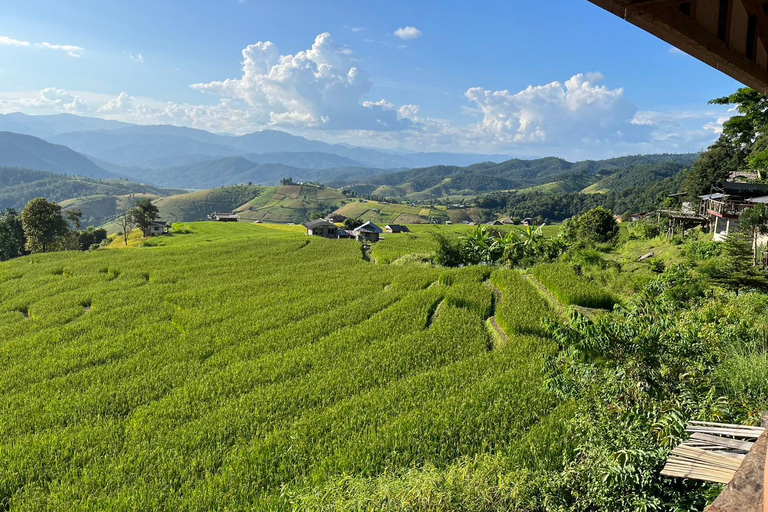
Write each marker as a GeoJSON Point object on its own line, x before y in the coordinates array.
{"type": "Point", "coordinates": [224, 217]}
{"type": "Point", "coordinates": [323, 228]}
{"type": "Point", "coordinates": [368, 232]}
{"type": "Point", "coordinates": [156, 228]}
{"type": "Point", "coordinates": [396, 228]}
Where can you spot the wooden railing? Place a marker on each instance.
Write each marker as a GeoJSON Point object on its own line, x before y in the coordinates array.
{"type": "Point", "coordinates": [726, 208]}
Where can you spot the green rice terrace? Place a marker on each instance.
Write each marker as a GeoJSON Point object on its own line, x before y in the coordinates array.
{"type": "Point", "coordinates": [252, 367]}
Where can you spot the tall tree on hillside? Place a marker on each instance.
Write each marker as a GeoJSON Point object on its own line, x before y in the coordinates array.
{"type": "Point", "coordinates": [738, 148]}
{"type": "Point", "coordinates": [43, 224]}
{"type": "Point", "coordinates": [755, 222]}
{"type": "Point", "coordinates": [144, 212]}
{"type": "Point", "coordinates": [734, 270]}
{"type": "Point", "coordinates": [126, 223]}
{"type": "Point", "coordinates": [12, 239]}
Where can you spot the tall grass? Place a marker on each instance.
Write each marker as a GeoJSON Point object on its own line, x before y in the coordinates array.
{"type": "Point", "coordinates": [522, 309]}
{"type": "Point", "coordinates": [561, 279]}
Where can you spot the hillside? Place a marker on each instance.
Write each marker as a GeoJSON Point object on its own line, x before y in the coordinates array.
{"type": "Point", "coordinates": [98, 199]}
{"type": "Point", "coordinates": [196, 206]}
{"type": "Point", "coordinates": [257, 368]}
{"type": "Point", "coordinates": [33, 153]}
{"type": "Point", "coordinates": [546, 174]}
{"type": "Point", "coordinates": [292, 203]}
{"type": "Point", "coordinates": [244, 169]}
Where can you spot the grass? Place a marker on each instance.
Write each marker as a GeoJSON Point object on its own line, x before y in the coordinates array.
{"type": "Point", "coordinates": [250, 367]}
{"type": "Point", "coordinates": [522, 309]}
{"type": "Point", "coordinates": [571, 289]}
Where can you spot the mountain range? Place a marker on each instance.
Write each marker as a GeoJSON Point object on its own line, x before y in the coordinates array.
{"type": "Point", "coordinates": [160, 146]}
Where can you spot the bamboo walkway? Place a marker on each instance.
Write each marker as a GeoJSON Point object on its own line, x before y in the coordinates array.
{"type": "Point", "coordinates": [714, 452]}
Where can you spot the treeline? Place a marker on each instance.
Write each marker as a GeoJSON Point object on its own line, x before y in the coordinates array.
{"type": "Point", "coordinates": [556, 207]}
{"type": "Point", "coordinates": [43, 226]}
{"type": "Point", "coordinates": [18, 186]}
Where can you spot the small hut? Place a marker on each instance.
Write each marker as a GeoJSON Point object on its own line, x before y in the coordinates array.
{"type": "Point", "coordinates": [396, 228]}
{"type": "Point", "coordinates": [157, 227]}
{"type": "Point", "coordinates": [323, 228]}
{"type": "Point", "coordinates": [368, 232]}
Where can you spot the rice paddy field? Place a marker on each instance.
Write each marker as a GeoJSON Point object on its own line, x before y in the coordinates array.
{"type": "Point", "coordinates": [250, 367]}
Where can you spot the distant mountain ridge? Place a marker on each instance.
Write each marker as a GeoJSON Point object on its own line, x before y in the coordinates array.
{"type": "Point", "coordinates": [159, 146]}
{"type": "Point", "coordinates": [30, 152]}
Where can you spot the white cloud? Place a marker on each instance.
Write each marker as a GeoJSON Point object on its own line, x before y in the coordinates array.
{"type": "Point", "coordinates": [576, 112]}
{"type": "Point", "coordinates": [71, 50]}
{"type": "Point", "coordinates": [357, 30]}
{"type": "Point", "coordinates": [138, 58]}
{"type": "Point", "coordinates": [322, 87]}
{"type": "Point", "coordinates": [673, 50]}
{"type": "Point", "coordinates": [408, 33]}
{"type": "Point", "coordinates": [7, 41]}
{"type": "Point", "coordinates": [46, 101]}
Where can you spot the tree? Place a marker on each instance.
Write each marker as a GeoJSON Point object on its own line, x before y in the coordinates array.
{"type": "Point", "coordinates": [12, 239]}
{"type": "Point", "coordinates": [43, 224]}
{"type": "Point", "coordinates": [90, 237]}
{"type": "Point", "coordinates": [595, 226]}
{"type": "Point", "coordinates": [734, 269]}
{"type": "Point", "coordinates": [126, 223]}
{"type": "Point", "coordinates": [286, 181]}
{"type": "Point", "coordinates": [352, 223]}
{"type": "Point", "coordinates": [714, 166]}
{"type": "Point", "coordinates": [73, 216]}
{"type": "Point", "coordinates": [755, 221]}
{"type": "Point", "coordinates": [144, 212]}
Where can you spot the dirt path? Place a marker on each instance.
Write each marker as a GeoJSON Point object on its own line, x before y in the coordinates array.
{"type": "Point", "coordinates": [499, 337]}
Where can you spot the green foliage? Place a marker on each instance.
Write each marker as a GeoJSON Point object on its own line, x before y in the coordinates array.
{"type": "Point", "coordinates": [43, 224]}
{"type": "Point", "coordinates": [597, 226]}
{"type": "Point", "coordinates": [572, 289]}
{"type": "Point", "coordinates": [12, 240]}
{"type": "Point", "coordinates": [637, 376]}
{"type": "Point", "coordinates": [144, 213]}
{"type": "Point", "coordinates": [735, 269]}
{"type": "Point", "coordinates": [91, 237]}
{"type": "Point", "coordinates": [351, 223]}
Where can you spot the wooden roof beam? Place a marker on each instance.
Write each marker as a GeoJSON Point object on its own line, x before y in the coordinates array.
{"type": "Point", "coordinates": [679, 30]}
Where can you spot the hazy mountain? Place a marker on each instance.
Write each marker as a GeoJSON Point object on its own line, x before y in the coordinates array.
{"type": "Point", "coordinates": [163, 146]}
{"type": "Point", "coordinates": [309, 160]}
{"type": "Point", "coordinates": [234, 170]}
{"type": "Point", "coordinates": [30, 152]}
{"type": "Point", "coordinates": [136, 147]}
{"type": "Point", "coordinates": [47, 126]}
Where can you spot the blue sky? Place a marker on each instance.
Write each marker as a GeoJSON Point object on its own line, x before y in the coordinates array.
{"type": "Point", "coordinates": [515, 77]}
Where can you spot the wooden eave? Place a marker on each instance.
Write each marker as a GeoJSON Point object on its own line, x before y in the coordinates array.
{"type": "Point", "coordinates": [729, 35]}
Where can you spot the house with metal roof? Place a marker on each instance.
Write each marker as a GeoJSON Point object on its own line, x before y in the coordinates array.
{"type": "Point", "coordinates": [368, 232]}
{"type": "Point", "coordinates": [322, 228]}
{"type": "Point", "coordinates": [396, 228]}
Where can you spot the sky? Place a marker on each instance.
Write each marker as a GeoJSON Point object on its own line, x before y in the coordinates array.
{"type": "Point", "coordinates": [523, 78]}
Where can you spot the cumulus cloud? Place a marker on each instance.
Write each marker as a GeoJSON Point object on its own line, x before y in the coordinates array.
{"type": "Point", "coordinates": [71, 50]}
{"type": "Point", "coordinates": [7, 41]}
{"type": "Point", "coordinates": [322, 87]}
{"type": "Point", "coordinates": [408, 33]}
{"type": "Point", "coordinates": [577, 111]}
{"type": "Point", "coordinates": [48, 100]}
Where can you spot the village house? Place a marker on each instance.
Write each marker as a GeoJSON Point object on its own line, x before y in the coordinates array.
{"type": "Point", "coordinates": [724, 207]}
{"type": "Point", "coordinates": [396, 228]}
{"type": "Point", "coordinates": [368, 232]}
{"type": "Point", "coordinates": [323, 228]}
{"type": "Point", "coordinates": [224, 217]}
{"type": "Point", "coordinates": [157, 228]}
{"type": "Point", "coordinates": [529, 222]}
{"type": "Point", "coordinates": [494, 223]}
